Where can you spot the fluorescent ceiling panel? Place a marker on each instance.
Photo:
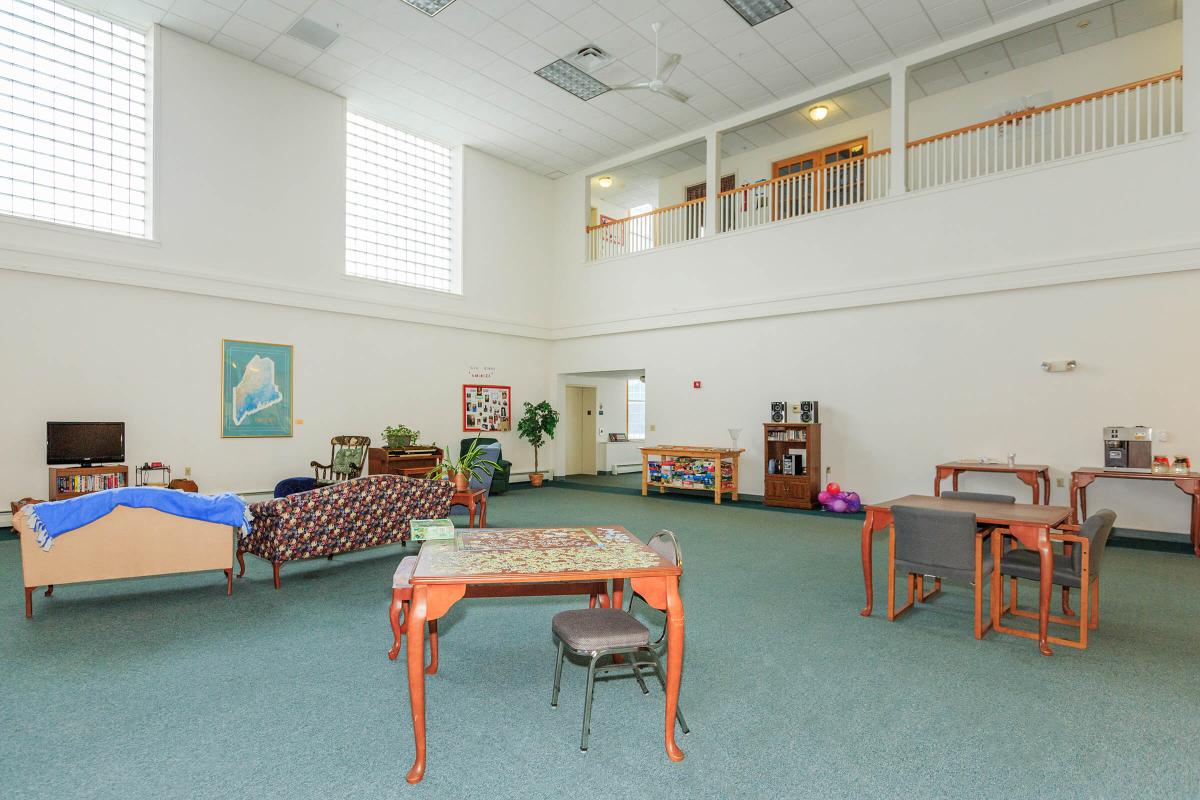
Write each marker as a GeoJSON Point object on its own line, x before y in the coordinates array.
{"type": "Point", "coordinates": [756, 11]}
{"type": "Point", "coordinates": [430, 7]}
{"type": "Point", "coordinates": [566, 75]}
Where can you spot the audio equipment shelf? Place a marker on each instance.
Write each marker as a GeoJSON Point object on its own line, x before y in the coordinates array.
{"type": "Point", "coordinates": [791, 464]}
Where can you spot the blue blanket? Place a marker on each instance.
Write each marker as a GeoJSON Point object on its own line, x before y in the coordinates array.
{"type": "Point", "coordinates": [49, 520]}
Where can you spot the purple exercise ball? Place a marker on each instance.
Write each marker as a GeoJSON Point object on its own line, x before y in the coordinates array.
{"type": "Point", "coordinates": [838, 505]}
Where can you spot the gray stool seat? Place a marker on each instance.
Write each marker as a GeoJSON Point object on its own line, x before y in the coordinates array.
{"type": "Point", "coordinates": [1026, 564]}
{"type": "Point", "coordinates": [591, 629]}
{"type": "Point", "coordinates": [403, 573]}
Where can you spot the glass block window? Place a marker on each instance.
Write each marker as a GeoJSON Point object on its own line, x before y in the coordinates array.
{"type": "Point", "coordinates": [72, 118]}
{"type": "Point", "coordinates": [398, 206]}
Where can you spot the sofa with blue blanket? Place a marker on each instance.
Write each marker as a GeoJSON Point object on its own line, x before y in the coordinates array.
{"type": "Point", "coordinates": [341, 518]}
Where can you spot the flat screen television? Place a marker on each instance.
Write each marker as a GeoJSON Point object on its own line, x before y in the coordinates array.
{"type": "Point", "coordinates": [85, 443]}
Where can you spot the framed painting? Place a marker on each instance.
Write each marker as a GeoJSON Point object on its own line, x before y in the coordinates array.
{"type": "Point", "coordinates": [256, 389]}
{"type": "Point", "coordinates": [487, 408]}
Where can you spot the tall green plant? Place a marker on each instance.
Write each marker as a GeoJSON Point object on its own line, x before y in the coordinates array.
{"type": "Point", "coordinates": [537, 426]}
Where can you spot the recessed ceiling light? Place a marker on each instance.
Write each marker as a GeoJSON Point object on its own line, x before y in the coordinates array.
{"type": "Point", "coordinates": [818, 113]}
{"type": "Point", "coordinates": [566, 75]}
{"type": "Point", "coordinates": [756, 11]}
{"type": "Point", "coordinates": [1083, 24]}
{"type": "Point", "coordinates": [605, 181]}
{"type": "Point", "coordinates": [312, 33]}
{"type": "Point", "coordinates": [430, 7]}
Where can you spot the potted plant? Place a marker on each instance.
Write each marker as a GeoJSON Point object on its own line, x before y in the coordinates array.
{"type": "Point", "coordinates": [398, 436]}
{"type": "Point", "coordinates": [470, 465]}
{"type": "Point", "coordinates": [536, 427]}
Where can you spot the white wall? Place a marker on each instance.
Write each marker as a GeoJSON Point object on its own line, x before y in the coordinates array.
{"type": "Point", "coordinates": [249, 243]}
{"type": "Point", "coordinates": [1141, 55]}
{"type": "Point", "coordinates": [905, 386]}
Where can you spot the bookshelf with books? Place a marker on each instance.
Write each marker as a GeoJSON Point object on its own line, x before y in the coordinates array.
{"type": "Point", "coordinates": [791, 464]}
{"type": "Point", "coordinates": [68, 482]}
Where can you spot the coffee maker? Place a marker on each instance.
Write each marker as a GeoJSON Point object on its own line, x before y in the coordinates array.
{"type": "Point", "coordinates": [1128, 449]}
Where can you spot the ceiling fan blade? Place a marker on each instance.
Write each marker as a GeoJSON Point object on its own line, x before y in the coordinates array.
{"type": "Point", "coordinates": [674, 94]}
{"type": "Point", "coordinates": [668, 66]}
{"type": "Point", "coordinates": [627, 86]}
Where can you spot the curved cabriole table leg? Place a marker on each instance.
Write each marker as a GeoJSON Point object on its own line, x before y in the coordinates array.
{"type": "Point", "coordinates": [663, 594]}
{"type": "Point", "coordinates": [876, 520]}
{"type": "Point", "coordinates": [1037, 537]}
{"type": "Point", "coordinates": [428, 603]}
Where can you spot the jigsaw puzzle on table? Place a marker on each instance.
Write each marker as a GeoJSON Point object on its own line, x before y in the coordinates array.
{"type": "Point", "coordinates": [537, 550]}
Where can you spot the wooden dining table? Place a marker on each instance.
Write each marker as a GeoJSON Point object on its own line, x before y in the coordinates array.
{"type": "Point", "coordinates": [508, 562]}
{"type": "Point", "coordinates": [1029, 524]}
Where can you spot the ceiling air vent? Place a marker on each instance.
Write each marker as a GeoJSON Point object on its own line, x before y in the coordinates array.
{"type": "Point", "coordinates": [312, 33]}
{"type": "Point", "coordinates": [590, 58]}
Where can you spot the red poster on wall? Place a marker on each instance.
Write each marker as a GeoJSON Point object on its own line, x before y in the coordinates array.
{"type": "Point", "coordinates": [487, 408]}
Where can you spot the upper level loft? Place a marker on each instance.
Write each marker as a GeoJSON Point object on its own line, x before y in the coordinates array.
{"type": "Point", "coordinates": [1110, 78]}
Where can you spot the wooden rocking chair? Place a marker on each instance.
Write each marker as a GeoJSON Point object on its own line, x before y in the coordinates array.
{"type": "Point", "coordinates": [347, 455]}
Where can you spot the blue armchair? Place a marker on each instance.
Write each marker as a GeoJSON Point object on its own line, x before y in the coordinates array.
{"type": "Point", "coordinates": [500, 479]}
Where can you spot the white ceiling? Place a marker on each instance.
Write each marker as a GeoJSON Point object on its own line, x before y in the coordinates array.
{"type": "Point", "coordinates": [466, 75]}
{"type": "Point", "coordinates": [638, 183]}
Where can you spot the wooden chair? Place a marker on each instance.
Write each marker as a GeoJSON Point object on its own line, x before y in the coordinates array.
{"type": "Point", "coordinates": [979, 497]}
{"type": "Point", "coordinates": [1078, 567]}
{"type": "Point", "coordinates": [347, 455]}
{"type": "Point", "coordinates": [945, 544]}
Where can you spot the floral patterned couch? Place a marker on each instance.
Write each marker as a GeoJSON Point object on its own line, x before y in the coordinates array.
{"type": "Point", "coordinates": [340, 518]}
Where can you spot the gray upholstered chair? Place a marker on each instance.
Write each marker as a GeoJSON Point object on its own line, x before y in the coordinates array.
{"type": "Point", "coordinates": [980, 497]}
{"type": "Point", "coordinates": [598, 633]}
{"type": "Point", "coordinates": [945, 544]}
{"type": "Point", "coordinates": [1078, 569]}
{"type": "Point", "coordinates": [483, 480]}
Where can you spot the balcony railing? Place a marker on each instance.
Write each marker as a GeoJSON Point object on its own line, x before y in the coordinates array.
{"type": "Point", "coordinates": [1113, 117]}
{"type": "Point", "coordinates": [842, 183]}
{"type": "Point", "coordinates": [657, 228]}
{"type": "Point", "coordinates": [1123, 115]}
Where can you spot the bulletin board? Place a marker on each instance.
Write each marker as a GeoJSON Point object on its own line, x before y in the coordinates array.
{"type": "Point", "coordinates": [487, 408]}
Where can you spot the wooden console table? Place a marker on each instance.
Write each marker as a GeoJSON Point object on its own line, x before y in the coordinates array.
{"type": "Point", "coordinates": [1028, 474]}
{"type": "Point", "coordinates": [412, 462]}
{"type": "Point", "coordinates": [689, 477]}
{"type": "Point", "coordinates": [1189, 484]}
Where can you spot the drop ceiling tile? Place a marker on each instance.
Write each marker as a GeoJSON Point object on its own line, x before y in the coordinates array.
{"type": "Point", "coordinates": [820, 12]}
{"type": "Point", "coordinates": [318, 79]}
{"type": "Point", "coordinates": [819, 64]}
{"type": "Point", "coordinates": [249, 32]}
{"type": "Point", "coordinates": [268, 14]}
{"type": "Point", "coordinates": [353, 51]}
{"type": "Point", "coordinates": [1031, 40]}
{"type": "Point", "coordinates": [762, 62]}
{"type": "Point", "coordinates": [135, 11]}
{"type": "Point", "coordinates": [891, 12]}
{"type": "Point", "coordinates": [1037, 55]}
{"type": "Point", "coordinates": [867, 46]}
{"type": "Point", "coordinates": [593, 21]}
{"type": "Point", "coordinates": [500, 38]}
{"type": "Point", "coordinates": [299, 6]}
{"type": "Point", "coordinates": [561, 40]}
{"type": "Point", "coordinates": [791, 125]}
{"type": "Point", "coordinates": [563, 8]}
{"type": "Point", "coordinates": [193, 30]}
{"type": "Point", "coordinates": [529, 20]}
{"type": "Point", "coordinates": [843, 29]}
{"type": "Point", "coordinates": [334, 67]}
{"type": "Point", "coordinates": [332, 15]}
{"type": "Point", "coordinates": [293, 50]}
{"type": "Point", "coordinates": [907, 34]}
{"type": "Point", "coordinates": [784, 81]}
{"type": "Point", "coordinates": [802, 46]}
{"type": "Point", "coordinates": [939, 77]}
{"type": "Point", "coordinates": [956, 13]}
{"type": "Point", "coordinates": [201, 12]}
{"type": "Point", "coordinates": [464, 19]}
{"type": "Point", "coordinates": [860, 103]}
{"type": "Point", "coordinates": [784, 26]}
{"type": "Point", "coordinates": [761, 134]}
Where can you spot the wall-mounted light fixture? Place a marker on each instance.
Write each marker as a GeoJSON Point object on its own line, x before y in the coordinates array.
{"type": "Point", "coordinates": [604, 181]}
{"type": "Point", "coordinates": [818, 113]}
{"type": "Point", "coordinates": [1060, 366]}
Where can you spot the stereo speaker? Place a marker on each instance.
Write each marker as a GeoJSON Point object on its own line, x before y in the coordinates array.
{"type": "Point", "coordinates": [779, 412]}
{"type": "Point", "coordinates": [805, 411]}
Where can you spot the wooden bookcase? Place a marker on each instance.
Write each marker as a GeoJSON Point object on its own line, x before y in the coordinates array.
{"type": "Point", "coordinates": [117, 475]}
{"type": "Point", "coordinates": [781, 439]}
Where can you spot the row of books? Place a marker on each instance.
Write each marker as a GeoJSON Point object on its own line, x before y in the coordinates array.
{"type": "Point", "coordinates": [788, 435]}
{"type": "Point", "coordinates": [90, 483]}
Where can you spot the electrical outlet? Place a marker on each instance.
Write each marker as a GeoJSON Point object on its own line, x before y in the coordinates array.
{"type": "Point", "coordinates": [652, 429]}
{"type": "Point", "coordinates": [1164, 436]}
{"type": "Point", "coordinates": [1060, 482]}
{"type": "Point", "coordinates": [187, 472]}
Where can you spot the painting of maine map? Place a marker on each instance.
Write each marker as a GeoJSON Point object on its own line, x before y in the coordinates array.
{"type": "Point", "coordinates": [256, 389]}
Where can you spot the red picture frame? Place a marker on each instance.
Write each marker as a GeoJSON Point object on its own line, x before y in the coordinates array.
{"type": "Point", "coordinates": [486, 408]}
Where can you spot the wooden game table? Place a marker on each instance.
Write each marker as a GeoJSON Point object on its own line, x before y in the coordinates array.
{"type": "Point", "coordinates": [534, 561]}
{"type": "Point", "coordinates": [1028, 474]}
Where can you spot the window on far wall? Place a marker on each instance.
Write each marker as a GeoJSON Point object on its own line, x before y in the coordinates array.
{"type": "Point", "coordinates": [398, 207]}
{"type": "Point", "coordinates": [635, 408]}
{"type": "Point", "coordinates": [72, 118]}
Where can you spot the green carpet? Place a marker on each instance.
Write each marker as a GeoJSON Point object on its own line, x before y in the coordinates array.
{"type": "Point", "coordinates": [166, 688]}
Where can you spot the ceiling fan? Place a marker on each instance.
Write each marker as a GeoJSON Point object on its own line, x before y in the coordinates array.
{"type": "Point", "coordinates": [662, 72]}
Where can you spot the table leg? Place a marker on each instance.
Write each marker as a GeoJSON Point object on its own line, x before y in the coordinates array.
{"type": "Point", "coordinates": [674, 665]}
{"type": "Point", "coordinates": [618, 593]}
{"type": "Point", "coordinates": [1045, 589]}
{"type": "Point", "coordinates": [876, 520]}
{"type": "Point", "coordinates": [470, 512]}
{"type": "Point", "coordinates": [645, 472]}
{"type": "Point", "coordinates": [483, 512]}
{"type": "Point", "coordinates": [996, 601]}
{"type": "Point", "coordinates": [954, 479]}
{"type": "Point", "coordinates": [1191, 486]}
{"type": "Point", "coordinates": [1046, 480]}
{"type": "Point", "coordinates": [416, 678]}
{"type": "Point", "coordinates": [717, 482]}
{"type": "Point", "coordinates": [1030, 479]}
{"type": "Point", "coordinates": [939, 476]}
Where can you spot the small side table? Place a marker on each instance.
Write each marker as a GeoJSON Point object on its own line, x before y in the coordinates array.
{"type": "Point", "coordinates": [472, 498]}
{"type": "Point", "coordinates": [1028, 474]}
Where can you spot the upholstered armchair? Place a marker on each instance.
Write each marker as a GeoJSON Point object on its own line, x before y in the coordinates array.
{"type": "Point", "coordinates": [347, 455]}
{"type": "Point", "coordinates": [499, 477]}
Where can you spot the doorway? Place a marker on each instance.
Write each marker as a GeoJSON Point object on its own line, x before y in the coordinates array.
{"type": "Point", "coordinates": [814, 189]}
{"type": "Point", "coordinates": [580, 439]}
